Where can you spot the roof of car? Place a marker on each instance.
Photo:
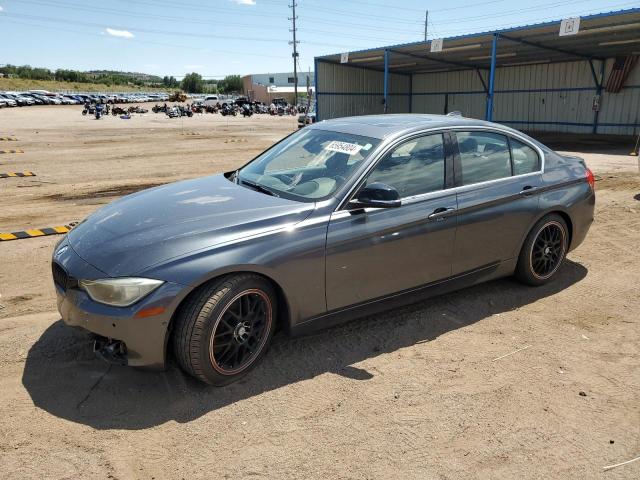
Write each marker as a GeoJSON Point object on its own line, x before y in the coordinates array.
{"type": "Point", "coordinates": [382, 126]}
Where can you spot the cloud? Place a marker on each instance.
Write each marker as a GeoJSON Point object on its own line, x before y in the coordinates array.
{"type": "Point", "coordinates": [244, 2]}
{"type": "Point", "coordinates": [193, 67]}
{"type": "Point", "coordinates": [119, 33]}
{"type": "Point", "coordinates": [1, 9]}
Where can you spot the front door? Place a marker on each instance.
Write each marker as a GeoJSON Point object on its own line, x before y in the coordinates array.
{"type": "Point", "coordinates": [373, 253]}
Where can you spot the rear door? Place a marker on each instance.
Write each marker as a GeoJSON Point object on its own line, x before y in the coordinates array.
{"type": "Point", "coordinates": [373, 253]}
{"type": "Point", "coordinates": [497, 177]}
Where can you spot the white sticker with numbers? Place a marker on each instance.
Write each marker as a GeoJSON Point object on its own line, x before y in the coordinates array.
{"type": "Point", "coordinates": [436, 45]}
{"type": "Point", "coordinates": [569, 26]}
{"type": "Point", "coordinates": [343, 147]}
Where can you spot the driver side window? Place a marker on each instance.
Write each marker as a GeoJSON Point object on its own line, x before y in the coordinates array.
{"type": "Point", "coordinates": [413, 168]}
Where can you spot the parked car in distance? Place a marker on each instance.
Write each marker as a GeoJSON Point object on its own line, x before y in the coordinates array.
{"type": "Point", "coordinates": [36, 98]}
{"type": "Point", "coordinates": [19, 99]}
{"type": "Point", "coordinates": [211, 100]}
{"type": "Point", "coordinates": [9, 101]}
{"type": "Point", "coordinates": [341, 219]}
{"type": "Point", "coordinates": [305, 119]}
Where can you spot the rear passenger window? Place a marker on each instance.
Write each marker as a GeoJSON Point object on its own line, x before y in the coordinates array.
{"type": "Point", "coordinates": [413, 168]}
{"type": "Point", "coordinates": [483, 156]}
{"type": "Point", "coordinates": [525, 158]}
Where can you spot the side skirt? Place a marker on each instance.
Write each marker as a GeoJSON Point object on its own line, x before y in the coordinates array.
{"type": "Point", "coordinates": [406, 297]}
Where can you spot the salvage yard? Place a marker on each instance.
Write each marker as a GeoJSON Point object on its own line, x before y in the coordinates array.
{"type": "Point", "coordinates": [496, 381]}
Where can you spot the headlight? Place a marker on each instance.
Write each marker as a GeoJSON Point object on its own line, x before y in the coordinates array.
{"type": "Point", "coordinates": [119, 292]}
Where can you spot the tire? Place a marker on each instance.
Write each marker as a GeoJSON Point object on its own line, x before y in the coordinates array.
{"type": "Point", "coordinates": [544, 251]}
{"type": "Point", "coordinates": [210, 327]}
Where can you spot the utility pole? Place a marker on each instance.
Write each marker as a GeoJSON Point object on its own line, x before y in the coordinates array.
{"type": "Point", "coordinates": [295, 52]}
{"type": "Point", "coordinates": [426, 24]}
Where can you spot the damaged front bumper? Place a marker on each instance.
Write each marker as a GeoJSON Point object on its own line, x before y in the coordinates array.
{"type": "Point", "coordinates": [122, 335]}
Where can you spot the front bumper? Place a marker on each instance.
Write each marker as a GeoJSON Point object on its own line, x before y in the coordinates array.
{"type": "Point", "coordinates": [144, 338]}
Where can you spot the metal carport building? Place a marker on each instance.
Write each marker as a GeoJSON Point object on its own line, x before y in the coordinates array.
{"type": "Point", "coordinates": [528, 77]}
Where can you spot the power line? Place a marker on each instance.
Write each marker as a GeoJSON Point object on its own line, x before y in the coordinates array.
{"type": "Point", "coordinates": [511, 12]}
{"type": "Point", "coordinates": [490, 28]}
{"type": "Point", "coordinates": [157, 32]}
{"type": "Point", "coordinates": [118, 13]}
{"type": "Point", "coordinates": [150, 42]}
{"type": "Point", "coordinates": [416, 10]}
{"type": "Point", "coordinates": [360, 15]}
{"type": "Point", "coordinates": [173, 19]}
{"type": "Point", "coordinates": [92, 9]}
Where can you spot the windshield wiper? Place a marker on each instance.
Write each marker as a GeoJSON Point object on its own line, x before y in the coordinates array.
{"type": "Point", "coordinates": [258, 187]}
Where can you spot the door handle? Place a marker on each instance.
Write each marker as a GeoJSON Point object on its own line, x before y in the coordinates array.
{"type": "Point", "coordinates": [528, 190]}
{"type": "Point", "coordinates": [441, 213]}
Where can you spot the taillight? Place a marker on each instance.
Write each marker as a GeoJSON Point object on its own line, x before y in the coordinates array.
{"type": "Point", "coordinates": [591, 180]}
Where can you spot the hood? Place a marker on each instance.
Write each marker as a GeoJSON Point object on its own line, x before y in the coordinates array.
{"type": "Point", "coordinates": [154, 225]}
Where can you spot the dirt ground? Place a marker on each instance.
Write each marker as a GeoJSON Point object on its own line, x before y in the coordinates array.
{"type": "Point", "coordinates": [419, 392]}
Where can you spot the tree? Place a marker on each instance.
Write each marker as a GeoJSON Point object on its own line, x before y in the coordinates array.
{"type": "Point", "coordinates": [192, 83]}
{"type": "Point", "coordinates": [231, 84]}
{"type": "Point", "coordinates": [170, 82]}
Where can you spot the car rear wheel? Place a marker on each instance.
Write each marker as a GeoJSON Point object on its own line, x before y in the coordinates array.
{"type": "Point", "coordinates": [544, 251]}
{"type": "Point", "coordinates": [224, 329]}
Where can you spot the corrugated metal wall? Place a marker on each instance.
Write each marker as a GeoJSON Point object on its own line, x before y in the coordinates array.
{"type": "Point", "coordinates": [623, 107]}
{"type": "Point", "coordinates": [546, 97]}
{"type": "Point", "coordinates": [348, 91]}
{"type": "Point", "coordinates": [559, 93]}
{"type": "Point", "coordinates": [449, 91]}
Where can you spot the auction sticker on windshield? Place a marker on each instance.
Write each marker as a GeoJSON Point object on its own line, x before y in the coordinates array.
{"type": "Point", "coordinates": [343, 147]}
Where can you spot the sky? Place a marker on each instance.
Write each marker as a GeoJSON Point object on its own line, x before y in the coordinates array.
{"type": "Point", "coordinates": [220, 37]}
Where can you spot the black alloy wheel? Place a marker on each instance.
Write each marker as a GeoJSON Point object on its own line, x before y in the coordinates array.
{"type": "Point", "coordinates": [548, 250]}
{"type": "Point", "coordinates": [543, 251]}
{"type": "Point", "coordinates": [223, 329]}
{"type": "Point", "coordinates": [240, 332]}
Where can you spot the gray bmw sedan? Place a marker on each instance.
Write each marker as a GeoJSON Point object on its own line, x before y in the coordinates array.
{"type": "Point", "coordinates": [341, 219]}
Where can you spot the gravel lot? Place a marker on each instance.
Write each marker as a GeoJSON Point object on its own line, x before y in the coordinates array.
{"type": "Point", "coordinates": [413, 393]}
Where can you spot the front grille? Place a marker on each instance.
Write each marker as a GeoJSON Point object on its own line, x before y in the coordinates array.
{"type": "Point", "coordinates": [60, 276]}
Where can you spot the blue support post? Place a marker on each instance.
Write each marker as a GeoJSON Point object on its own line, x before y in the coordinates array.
{"type": "Point", "coordinates": [386, 79]}
{"type": "Point", "coordinates": [315, 88]}
{"type": "Point", "coordinates": [492, 77]}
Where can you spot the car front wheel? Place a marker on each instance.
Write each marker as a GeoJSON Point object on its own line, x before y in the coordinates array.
{"type": "Point", "coordinates": [224, 328]}
{"type": "Point", "coordinates": [544, 251]}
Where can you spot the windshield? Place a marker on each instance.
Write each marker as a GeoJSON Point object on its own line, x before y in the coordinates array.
{"type": "Point", "coordinates": [309, 165]}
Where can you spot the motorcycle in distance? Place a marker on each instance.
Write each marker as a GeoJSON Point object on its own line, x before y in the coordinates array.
{"type": "Point", "coordinates": [228, 110]}
{"type": "Point", "coordinates": [89, 108]}
{"type": "Point", "coordinates": [173, 112]}
{"type": "Point", "coordinates": [179, 111]}
{"type": "Point", "coordinates": [246, 110]}
{"type": "Point", "coordinates": [137, 109]}
{"type": "Point", "coordinates": [198, 108]}
{"type": "Point", "coordinates": [160, 108]}
{"type": "Point", "coordinates": [185, 111]}
{"type": "Point", "coordinates": [99, 111]}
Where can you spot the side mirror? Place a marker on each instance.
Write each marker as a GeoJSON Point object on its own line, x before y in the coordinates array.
{"type": "Point", "coordinates": [376, 195]}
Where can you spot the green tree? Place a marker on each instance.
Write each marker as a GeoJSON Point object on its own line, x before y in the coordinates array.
{"type": "Point", "coordinates": [231, 84]}
{"type": "Point", "coordinates": [192, 83]}
{"type": "Point", "coordinates": [170, 82]}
